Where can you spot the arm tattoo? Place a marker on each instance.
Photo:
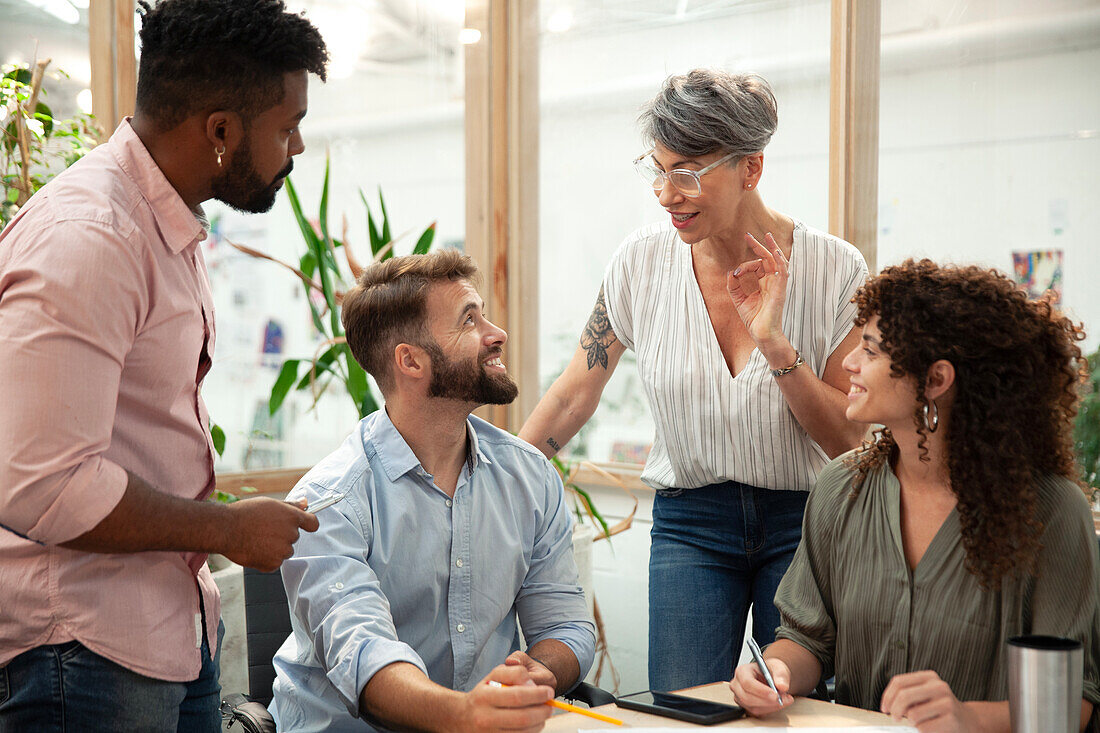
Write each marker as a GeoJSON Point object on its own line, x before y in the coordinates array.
{"type": "Point", "coordinates": [597, 335]}
{"type": "Point", "coordinates": [553, 444]}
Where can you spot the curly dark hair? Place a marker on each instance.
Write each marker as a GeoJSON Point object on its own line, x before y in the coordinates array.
{"type": "Point", "coordinates": [1017, 371]}
{"type": "Point", "coordinates": [201, 55]}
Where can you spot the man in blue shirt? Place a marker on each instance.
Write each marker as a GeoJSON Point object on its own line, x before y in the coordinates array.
{"type": "Point", "coordinates": [452, 533]}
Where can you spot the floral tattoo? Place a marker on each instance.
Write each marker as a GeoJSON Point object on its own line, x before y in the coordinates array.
{"type": "Point", "coordinates": [597, 335]}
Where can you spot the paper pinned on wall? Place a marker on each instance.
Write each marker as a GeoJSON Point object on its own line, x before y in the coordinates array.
{"type": "Point", "coordinates": [1039, 271]}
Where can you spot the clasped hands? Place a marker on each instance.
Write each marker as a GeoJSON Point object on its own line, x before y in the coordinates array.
{"type": "Point", "coordinates": [919, 698]}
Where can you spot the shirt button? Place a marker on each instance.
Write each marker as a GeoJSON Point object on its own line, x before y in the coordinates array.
{"type": "Point", "coordinates": [460, 628]}
{"type": "Point", "coordinates": [458, 562]}
{"type": "Point", "coordinates": [449, 502]}
{"type": "Point", "coordinates": [339, 586]}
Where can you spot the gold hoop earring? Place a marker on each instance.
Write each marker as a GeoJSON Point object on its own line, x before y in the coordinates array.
{"type": "Point", "coordinates": [219, 152]}
{"type": "Point", "coordinates": [932, 423]}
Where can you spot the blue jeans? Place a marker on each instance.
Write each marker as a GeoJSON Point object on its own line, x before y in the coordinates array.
{"type": "Point", "coordinates": [715, 550]}
{"type": "Point", "coordinates": [67, 687]}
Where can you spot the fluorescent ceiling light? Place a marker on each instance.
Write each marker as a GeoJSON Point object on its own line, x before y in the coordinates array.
{"type": "Point", "coordinates": [60, 9]}
{"type": "Point", "coordinates": [84, 101]}
{"type": "Point", "coordinates": [346, 29]}
{"type": "Point", "coordinates": [560, 20]}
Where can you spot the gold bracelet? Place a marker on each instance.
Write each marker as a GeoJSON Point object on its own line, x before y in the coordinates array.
{"type": "Point", "coordinates": [788, 369]}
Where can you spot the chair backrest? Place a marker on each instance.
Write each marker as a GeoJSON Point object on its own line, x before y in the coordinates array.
{"type": "Point", "coordinates": [267, 625]}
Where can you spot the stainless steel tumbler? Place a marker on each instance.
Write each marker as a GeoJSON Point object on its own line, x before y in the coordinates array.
{"type": "Point", "coordinates": [1044, 684]}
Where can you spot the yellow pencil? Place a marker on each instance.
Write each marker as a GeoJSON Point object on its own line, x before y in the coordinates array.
{"type": "Point", "coordinates": [570, 708]}
{"type": "Point", "coordinates": [583, 711]}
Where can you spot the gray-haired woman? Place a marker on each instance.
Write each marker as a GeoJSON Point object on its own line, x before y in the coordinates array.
{"type": "Point", "coordinates": [740, 317]}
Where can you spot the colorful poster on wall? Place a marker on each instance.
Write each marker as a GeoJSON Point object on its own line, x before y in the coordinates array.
{"type": "Point", "coordinates": [1039, 271]}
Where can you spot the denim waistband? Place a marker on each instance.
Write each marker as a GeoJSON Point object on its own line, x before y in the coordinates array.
{"type": "Point", "coordinates": [673, 491]}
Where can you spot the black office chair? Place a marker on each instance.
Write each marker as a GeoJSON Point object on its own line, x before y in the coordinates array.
{"type": "Point", "coordinates": [267, 625]}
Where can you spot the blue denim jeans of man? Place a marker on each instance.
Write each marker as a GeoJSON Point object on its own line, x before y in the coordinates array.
{"type": "Point", "coordinates": [715, 551]}
{"type": "Point", "coordinates": [67, 687]}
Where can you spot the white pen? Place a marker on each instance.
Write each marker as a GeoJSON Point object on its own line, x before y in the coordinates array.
{"type": "Point", "coordinates": [759, 659]}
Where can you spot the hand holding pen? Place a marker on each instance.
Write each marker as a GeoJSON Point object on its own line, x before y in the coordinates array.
{"type": "Point", "coordinates": [758, 657]}
{"type": "Point", "coordinates": [761, 687]}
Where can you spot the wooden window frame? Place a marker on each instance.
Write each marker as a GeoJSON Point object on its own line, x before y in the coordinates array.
{"type": "Point", "coordinates": [114, 65]}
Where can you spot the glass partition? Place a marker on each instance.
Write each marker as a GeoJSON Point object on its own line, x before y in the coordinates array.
{"type": "Point", "coordinates": [599, 62]}
{"type": "Point", "coordinates": [389, 119]}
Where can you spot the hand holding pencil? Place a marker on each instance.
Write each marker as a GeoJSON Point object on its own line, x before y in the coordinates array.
{"type": "Point", "coordinates": [505, 699]}
{"type": "Point", "coordinates": [570, 708]}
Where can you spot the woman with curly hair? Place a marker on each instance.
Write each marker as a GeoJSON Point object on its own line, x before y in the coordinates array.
{"type": "Point", "coordinates": [961, 525]}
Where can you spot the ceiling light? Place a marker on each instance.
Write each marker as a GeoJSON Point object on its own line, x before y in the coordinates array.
{"type": "Point", "coordinates": [469, 36]}
{"type": "Point", "coordinates": [560, 20]}
{"type": "Point", "coordinates": [60, 9]}
{"type": "Point", "coordinates": [84, 101]}
{"type": "Point", "coordinates": [346, 29]}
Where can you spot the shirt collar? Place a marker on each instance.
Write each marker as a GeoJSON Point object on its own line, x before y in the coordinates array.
{"type": "Point", "coordinates": [178, 224]}
{"type": "Point", "coordinates": [398, 458]}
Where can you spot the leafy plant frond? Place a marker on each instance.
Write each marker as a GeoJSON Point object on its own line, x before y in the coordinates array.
{"type": "Point", "coordinates": [27, 128]}
{"type": "Point", "coordinates": [319, 272]}
{"type": "Point", "coordinates": [568, 472]}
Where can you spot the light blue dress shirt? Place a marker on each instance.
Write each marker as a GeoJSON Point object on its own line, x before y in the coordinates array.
{"type": "Point", "coordinates": [400, 572]}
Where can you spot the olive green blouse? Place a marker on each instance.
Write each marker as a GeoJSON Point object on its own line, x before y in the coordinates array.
{"type": "Point", "coordinates": [851, 600]}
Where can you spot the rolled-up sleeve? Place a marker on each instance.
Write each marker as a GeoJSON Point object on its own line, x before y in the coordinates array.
{"type": "Point", "coordinates": [61, 357]}
{"type": "Point", "coordinates": [337, 599]}
{"type": "Point", "coordinates": [1066, 597]}
{"type": "Point", "coordinates": [551, 603]}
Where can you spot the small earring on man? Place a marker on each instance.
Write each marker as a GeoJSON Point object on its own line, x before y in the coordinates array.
{"type": "Point", "coordinates": [219, 152]}
{"type": "Point", "coordinates": [933, 422]}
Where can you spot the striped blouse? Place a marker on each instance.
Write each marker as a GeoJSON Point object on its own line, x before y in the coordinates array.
{"type": "Point", "coordinates": [710, 426]}
{"type": "Point", "coordinates": [851, 600]}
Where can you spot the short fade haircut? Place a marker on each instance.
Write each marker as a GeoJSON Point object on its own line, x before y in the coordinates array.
{"type": "Point", "coordinates": [388, 306]}
{"type": "Point", "coordinates": [710, 110]}
{"type": "Point", "coordinates": [199, 55]}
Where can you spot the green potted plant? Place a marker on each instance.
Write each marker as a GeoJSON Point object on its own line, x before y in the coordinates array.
{"type": "Point", "coordinates": [321, 274]}
{"type": "Point", "coordinates": [1086, 430]}
{"type": "Point", "coordinates": [36, 145]}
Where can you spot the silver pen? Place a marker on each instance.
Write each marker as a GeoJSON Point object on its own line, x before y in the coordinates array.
{"type": "Point", "coordinates": [758, 657]}
{"type": "Point", "coordinates": [325, 502]}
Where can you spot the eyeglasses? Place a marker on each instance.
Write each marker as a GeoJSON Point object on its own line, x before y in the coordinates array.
{"type": "Point", "coordinates": [685, 181]}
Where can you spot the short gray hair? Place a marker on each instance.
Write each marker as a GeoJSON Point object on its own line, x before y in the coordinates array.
{"type": "Point", "coordinates": [709, 110]}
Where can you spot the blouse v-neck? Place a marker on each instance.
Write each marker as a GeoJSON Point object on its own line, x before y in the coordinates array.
{"type": "Point", "coordinates": [700, 303]}
{"type": "Point", "coordinates": [942, 542]}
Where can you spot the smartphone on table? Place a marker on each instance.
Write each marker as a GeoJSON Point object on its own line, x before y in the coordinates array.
{"type": "Point", "coordinates": [680, 707]}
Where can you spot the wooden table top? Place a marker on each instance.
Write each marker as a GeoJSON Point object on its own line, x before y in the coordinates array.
{"type": "Point", "coordinates": [803, 713]}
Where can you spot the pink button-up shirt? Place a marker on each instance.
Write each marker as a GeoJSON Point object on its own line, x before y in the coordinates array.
{"type": "Point", "coordinates": [106, 331]}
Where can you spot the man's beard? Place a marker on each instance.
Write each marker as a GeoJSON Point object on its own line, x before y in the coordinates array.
{"type": "Point", "coordinates": [468, 381]}
{"type": "Point", "coordinates": [241, 187]}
